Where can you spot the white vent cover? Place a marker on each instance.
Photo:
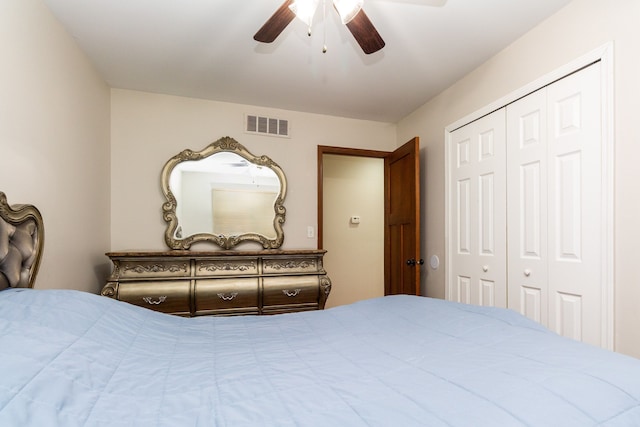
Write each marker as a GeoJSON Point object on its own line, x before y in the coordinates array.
{"type": "Point", "coordinates": [266, 125]}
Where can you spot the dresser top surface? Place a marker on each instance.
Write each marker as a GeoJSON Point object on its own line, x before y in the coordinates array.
{"type": "Point", "coordinates": [208, 254]}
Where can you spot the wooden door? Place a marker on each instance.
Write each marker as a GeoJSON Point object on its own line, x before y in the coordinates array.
{"type": "Point", "coordinates": [402, 220]}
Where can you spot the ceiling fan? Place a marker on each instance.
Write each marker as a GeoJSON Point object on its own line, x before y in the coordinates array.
{"type": "Point", "coordinates": [351, 14]}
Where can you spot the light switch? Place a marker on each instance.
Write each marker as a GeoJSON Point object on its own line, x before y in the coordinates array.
{"type": "Point", "coordinates": [311, 232]}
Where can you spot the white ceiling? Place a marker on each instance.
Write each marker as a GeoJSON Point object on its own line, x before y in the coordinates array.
{"type": "Point", "coordinates": [205, 49]}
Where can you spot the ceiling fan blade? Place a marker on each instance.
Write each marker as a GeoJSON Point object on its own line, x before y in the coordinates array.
{"type": "Point", "coordinates": [275, 24]}
{"type": "Point", "coordinates": [365, 33]}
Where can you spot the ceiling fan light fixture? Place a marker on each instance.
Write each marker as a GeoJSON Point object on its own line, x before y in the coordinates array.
{"type": "Point", "coordinates": [348, 9]}
{"type": "Point", "coordinates": [304, 10]}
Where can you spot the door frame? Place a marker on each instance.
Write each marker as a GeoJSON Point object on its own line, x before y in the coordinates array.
{"type": "Point", "coordinates": [324, 149]}
{"type": "Point", "coordinates": [604, 55]}
{"type": "Point", "coordinates": [388, 157]}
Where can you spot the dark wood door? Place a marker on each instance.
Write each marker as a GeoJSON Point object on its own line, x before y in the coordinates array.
{"type": "Point", "coordinates": [402, 220]}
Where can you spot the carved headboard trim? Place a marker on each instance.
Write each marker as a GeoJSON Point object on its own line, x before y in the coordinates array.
{"type": "Point", "coordinates": [21, 244]}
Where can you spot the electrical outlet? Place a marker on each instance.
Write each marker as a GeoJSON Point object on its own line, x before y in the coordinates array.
{"type": "Point", "coordinates": [311, 232]}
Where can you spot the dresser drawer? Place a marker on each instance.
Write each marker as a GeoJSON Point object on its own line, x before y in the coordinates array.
{"type": "Point", "coordinates": [196, 283]}
{"type": "Point", "coordinates": [291, 265]}
{"type": "Point", "coordinates": [227, 266]}
{"type": "Point", "coordinates": [152, 268]}
{"type": "Point", "coordinates": [220, 296]}
{"type": "Point", "coordinates": [164, 296]}
{"type": "Point", "coordinates": [294, 290]}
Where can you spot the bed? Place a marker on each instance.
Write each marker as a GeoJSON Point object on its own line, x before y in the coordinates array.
{"type": "Point", "coordinates": [71, 358]}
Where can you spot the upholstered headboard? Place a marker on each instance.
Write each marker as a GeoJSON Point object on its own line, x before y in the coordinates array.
{"type": "Point", "coordinates": [21, 244]}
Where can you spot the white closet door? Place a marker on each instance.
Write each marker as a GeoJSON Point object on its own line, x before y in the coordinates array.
{"type": "Point", "coordinates": [575, 206]}
{"type": "Point", "coordinates": [478, 263]}
{"type": "Point", "coordinates": [554, 189]}
{"type": "Point", "coordinates": [527, 276]}
{"type": "Point", "coordinates": [526, 209]}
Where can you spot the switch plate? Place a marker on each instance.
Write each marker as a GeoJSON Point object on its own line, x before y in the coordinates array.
{"type": "Point", "coordinates": [434, 262]}
{"type": "Point", "coordinates": [355, 219]}
{"type": "Point", "coordinates": [311, 232]}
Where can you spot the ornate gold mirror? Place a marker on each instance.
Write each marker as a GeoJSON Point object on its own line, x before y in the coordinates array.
{"type": "Point", "coordinates": [224, 195]}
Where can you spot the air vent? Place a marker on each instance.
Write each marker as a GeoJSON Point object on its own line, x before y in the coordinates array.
{"type": "Point", "coordinates": [266, 125]}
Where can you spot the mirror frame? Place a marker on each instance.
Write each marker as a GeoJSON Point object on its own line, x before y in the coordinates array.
{"type": "Point", "coordinates": [224, 144]}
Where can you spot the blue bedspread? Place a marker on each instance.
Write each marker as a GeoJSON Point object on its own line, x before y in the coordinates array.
{"type": "Point", "coordinates": [69, 358]}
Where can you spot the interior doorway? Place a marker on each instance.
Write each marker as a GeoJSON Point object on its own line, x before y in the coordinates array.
{"type": "Point", "coordinates": [351, 222]}
{"type": "Point", "coordinates": [369, 221]}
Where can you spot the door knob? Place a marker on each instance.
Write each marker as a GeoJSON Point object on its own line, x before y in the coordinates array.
{"type": "Point", "coordinates": [527, 272]}
{"type": "Point", "coordinates": [485, 268]}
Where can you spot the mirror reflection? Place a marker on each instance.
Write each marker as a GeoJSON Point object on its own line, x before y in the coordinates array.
{"type": "Point", "coordinates": [224, 195]}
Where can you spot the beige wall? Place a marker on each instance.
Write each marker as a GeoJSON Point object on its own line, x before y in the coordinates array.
{"type": "Point", "coordinates": [148, 129]}
{"type": "Point", "coordinates": [355, 252]}
{"type": "Point", "coordinates": [581, 27]}
{"type": "Point", "coordinates": [54, 140]}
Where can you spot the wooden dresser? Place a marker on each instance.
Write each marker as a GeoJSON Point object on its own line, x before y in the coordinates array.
{"type": "Point", "coordinates": [192, 283]}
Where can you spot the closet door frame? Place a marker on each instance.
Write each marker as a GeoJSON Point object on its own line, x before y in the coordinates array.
{"type": "Point", "coordinates": [604, 55]}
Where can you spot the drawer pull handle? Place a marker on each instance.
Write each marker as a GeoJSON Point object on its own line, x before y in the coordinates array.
{"type": "Point", "coordinates": [150, 300]}
{"type": "Point", "coordinates": [228, 297]}
{"type": "Point", "coordinates": [291, 294]}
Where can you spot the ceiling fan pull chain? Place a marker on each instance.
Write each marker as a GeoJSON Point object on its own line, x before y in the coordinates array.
{"type": "Point", "coordinates": [324, 19]}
